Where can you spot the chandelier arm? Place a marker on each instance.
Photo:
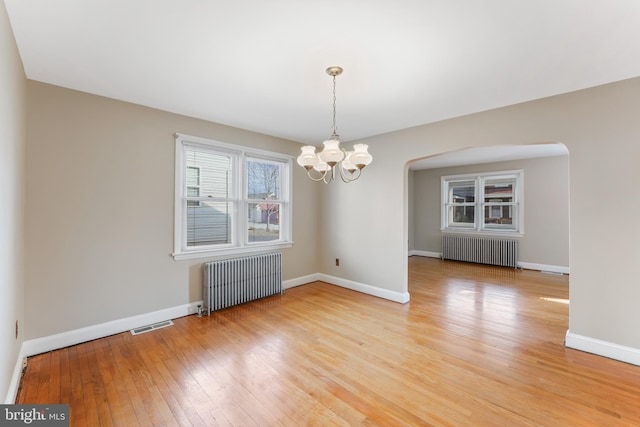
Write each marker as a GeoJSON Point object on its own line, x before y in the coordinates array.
{"type": "Point", "coordinates": [329, 175]}
{"type": "Point", "coordinates": [352, 177]}
{"type": "Point", "coordinates": [322, 177]}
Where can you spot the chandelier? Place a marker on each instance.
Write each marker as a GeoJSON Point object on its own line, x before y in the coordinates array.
{"type": "Point", "coordinates": [322, 166]}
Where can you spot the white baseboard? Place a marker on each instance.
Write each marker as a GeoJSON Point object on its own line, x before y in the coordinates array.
{"type": "Point", "coordinates": [349, 284]}
{"type": "Point", "coordinates": [298, 281]}
{"type": "Point", "coordinates": [526, 265]}
{"type": "Point", "coordinates": [425, 254]}
{"type": "Point", "coordinates": [77, 336]}
{"type": "Point", "coordinates": [12, 393]}
{"type": "Point", "coordinates": [402, 298]}
{"type": "Point", "coordinates": [544, 267]}
{"type": "Point", "coordinates": [603, 348]}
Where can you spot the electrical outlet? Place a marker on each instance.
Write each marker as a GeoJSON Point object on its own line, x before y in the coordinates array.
{"type": "Point", "coordinates": [337, 262]}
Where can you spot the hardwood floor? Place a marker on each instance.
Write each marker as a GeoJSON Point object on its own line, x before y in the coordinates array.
{"type": "Point", "coordinates": [477, 345]}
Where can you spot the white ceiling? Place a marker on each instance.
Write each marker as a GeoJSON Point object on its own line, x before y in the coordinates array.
{"type": "Point", "coordinates": [260, 65]}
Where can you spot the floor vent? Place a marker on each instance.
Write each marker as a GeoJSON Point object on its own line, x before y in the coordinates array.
{"type": "Point", "coordinates": [149, 328]}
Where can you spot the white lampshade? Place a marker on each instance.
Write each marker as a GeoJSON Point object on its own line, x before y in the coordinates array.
{"type": "Point", "coordinates": [308, 156]}
{"type": "Point", "coordinates": [360, 156]}
{"type": "Point", "coordinates": [321, 166]}
{"type": "Point", "coordinates": [347, 164]}
{"type": "Point", "coordinates": [332, 153]}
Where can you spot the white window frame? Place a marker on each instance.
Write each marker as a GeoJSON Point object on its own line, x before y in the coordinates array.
{"type": "Point", "coordinates": [479, 204]}
{"type": "Point", "coordinates": [239, 199]}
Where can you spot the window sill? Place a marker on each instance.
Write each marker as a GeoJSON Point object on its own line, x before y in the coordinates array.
{"type": "Point", "coordinates": [491, 233]}
{"type": "Point", "coordinates": [245, 250]}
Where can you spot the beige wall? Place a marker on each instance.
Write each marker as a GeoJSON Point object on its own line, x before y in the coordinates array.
{"type": "Point", "coordinates": [12, 142]}
{"type": "Point", "coordinates": [99, 203]}
{"type": "Point", "coordinates": [546, 207]}
{"type": "Point", "coordinates": [600, 128]}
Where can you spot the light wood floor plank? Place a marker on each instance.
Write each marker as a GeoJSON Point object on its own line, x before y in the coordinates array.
{"type": "Point", "coordinates": [92, 386]}
{"type": "Point", "coordinates": [477, 345]}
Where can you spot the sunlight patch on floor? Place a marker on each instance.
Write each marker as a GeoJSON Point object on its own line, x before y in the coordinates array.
{"type": "Point", "coordinates": [560, 300]}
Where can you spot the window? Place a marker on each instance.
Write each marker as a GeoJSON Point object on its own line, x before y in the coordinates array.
{"type": "Point", "coordinates": [229, 199]}
{"type": "Point", "coordinates": [489, 203]}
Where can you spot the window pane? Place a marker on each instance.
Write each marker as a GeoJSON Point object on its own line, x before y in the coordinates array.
{"type": "Point", "coordinates": [263, 222]}
{"type": "Point", "coordinates": [462, 216]}
{"type": "Point", "coordinates": [499, 216]}
{"type": "Point", "coordinates": [263, 179]}
{"type": "Point", "coordinates": [193, 176]}
{"type": "Point", "coordinates": [462, 192]}
{"type": "Point", "coordinates": [499, 190]}
{"type": "Point", "coordinates": [209, 223]}
{"type": "Point", "coordinates": [210, 171]}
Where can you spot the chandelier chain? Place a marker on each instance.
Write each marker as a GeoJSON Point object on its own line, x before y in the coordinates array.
{"type": "Point", "coordinates": [335, 128]}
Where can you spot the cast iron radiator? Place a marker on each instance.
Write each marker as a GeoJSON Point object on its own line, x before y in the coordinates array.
{"type": "Point", "coordinates": [483, 250]}
{"type": "Point", "coordinates": [238, 280]}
